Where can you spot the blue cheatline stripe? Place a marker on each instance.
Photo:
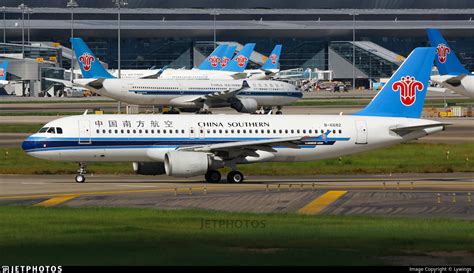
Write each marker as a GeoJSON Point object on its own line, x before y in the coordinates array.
{"type": "Point", "coordinates": [33, 138]}
{"type": "Point", "coordinates": [194, 92]}
{"type": "Point", "coordinates": [43, 144]}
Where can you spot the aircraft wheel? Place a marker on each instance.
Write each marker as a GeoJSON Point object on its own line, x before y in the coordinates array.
{"type": "Point", "coordinates": [213, 176]}
{"type": "Point", "coordinates": [235, 177]}
{"type": "Point", "coordinates": [279, 112]}
{"type": "Point", "coordinates": [80, 178]}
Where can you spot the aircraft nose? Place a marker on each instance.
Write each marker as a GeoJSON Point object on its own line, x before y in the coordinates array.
{"type": "Point", "coordinates": [28, 144]}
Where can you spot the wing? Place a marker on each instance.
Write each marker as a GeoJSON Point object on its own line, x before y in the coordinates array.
{"type": "Point", "coordinates": [220, 96]}
{"type": "Point", "coordinates": [235, 149]}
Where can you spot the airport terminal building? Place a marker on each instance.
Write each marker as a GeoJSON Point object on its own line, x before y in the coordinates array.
{"type": "Point", "coordinates": [314, 34]}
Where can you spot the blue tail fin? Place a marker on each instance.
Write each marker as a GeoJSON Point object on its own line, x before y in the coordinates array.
{"type": "Point", "coordinates": [89, 64]}
{"type": "Point", "coordinates": [3, 70]}
{"type": "Point", "coordinates": [273, 60]}
{"type": "Point", "coordinates": [404, 94]}
{"type": "Point", "coordinates": [228, 54]}
{"type": "Point", "coordinates": [212, 62]}
{"type": "Point", "coordinates": [240, 61]}
{"type": "Point", "coordinates": [446, 61]}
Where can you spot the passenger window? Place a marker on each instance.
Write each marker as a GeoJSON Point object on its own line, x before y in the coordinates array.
{"type": "Point", "coordinates": [232, 131]}
{"type": "Point", "coordinates": [110, 131]}
{"type": "Point", "coordinates": [280, 131]}
{"type": "Point", "coordinates": [214, 131]}
{"type": "Point", "coordinates": [97, 131]}
{"type": "Point", "coordinates": [220, 131]}
{"type": "Point", "coordinates": [164, 131]}
{"type": "Point", "coordinates": [59, 130]}
{"type": "Point", "coordinates": [333, 131]}
{"type": "Point", "coordinates": [244, 131]}
{"type": "Point", "coordinates": [191, 131]}
{"type": "Point", "coordinates": [304, 131]}
{"type": "Point", "coordinates": [104, 131]}
{"type": "Point", "coordinates": [292, 131]}
{"type": "Point", "coordinates": [310, 131]}
{"type": "Point", "coordinates": [116, 131]}
{"type": "Point", "coordinates": [146, 131]}
{"type": "Point", "coordinates": [286, 131]}
{"type": "Point", "coordinates": [128, 131]}
{"type": "Point", "coordinates": [152, 131]}
{"type": "Point", "coordinates": [182, 131]}
{"type": "Point", "coordinates": [298, 131]}
{"type": "Point", "coordinates": [226, 131]}
{"type": "Point", "coordinates": [140, 131]}
{"type": "Point", "coordinates": [121, 131]}
{"type": "Point", "coordinates": [340, 131]}
{"type": "Point", "coordinates": [238, 131]}
{"type": "Point", "coordinates": [134, 131]}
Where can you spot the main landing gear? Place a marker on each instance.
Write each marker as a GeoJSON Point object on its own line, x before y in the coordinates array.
{"type": "Point", "coordinates": [80, 178]}
{"type": "Point", "coordinates": [214, 176]}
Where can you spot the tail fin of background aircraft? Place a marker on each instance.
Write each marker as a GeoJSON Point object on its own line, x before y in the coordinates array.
{"type": "Point", "coordinates": [228, 54]}
{"type": "Point", "coordinates": [240, 61]}
{"type": "Point", "coordinates": [273, 60]}
{"type": "Point", "coordinates": [212, 62]}
{"type": "Point", "coordinates": [3, 70]}
{"type": "Point", "coordinates": [446, 61]}
{"type": "Point", "coordinates": [404, 94]}
{"type": "Point", "coordinates": [89, 64]}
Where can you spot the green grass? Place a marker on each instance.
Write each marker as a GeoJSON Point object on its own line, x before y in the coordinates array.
{"type": "Point", "coordinates": [20, 128]}
{"type": "Point", "coordinates": [127, 236]}
{"type": "Point", "coordinates": [365, 101]}
{"type": "Point", "coordinates": [411, 157]}
{"type": "Point", "coordinates": [55, 101]}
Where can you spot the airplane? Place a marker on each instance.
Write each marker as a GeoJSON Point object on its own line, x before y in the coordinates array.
{"type": "Point", "coordinates": [3, 74]}
{"type": "Point", "coordinates": [231, 70]}
{"type": "Point", "coordinates": [244, 96]}
{"type": "Point", "coordinates": [192, 145]}
{"type": "Point", "coordinates": [453, 75]}
{"type": "Point", "coordinates": [269, 68]}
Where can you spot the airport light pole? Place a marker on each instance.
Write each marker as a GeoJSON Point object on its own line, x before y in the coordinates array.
{"type": "Point", "coordinates": [4, 26]}
{"type": "Point", "coordinates": [22, 7]}
{"type": "Point", "coordinates": [214, 13]}
{"type": "Point", "coordinates": [119, 4]}
{"type": "Point", "coordinates": [353, 51]}
{"type": "Point", "coordinates": [28, 10]}
{"type": "Point", "coordinates": [72, 4]}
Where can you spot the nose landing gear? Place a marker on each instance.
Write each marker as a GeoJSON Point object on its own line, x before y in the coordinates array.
{"type": "Point", "coordinates": [80, 178]}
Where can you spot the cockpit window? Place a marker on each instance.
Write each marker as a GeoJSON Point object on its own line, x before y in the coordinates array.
{"type": "Point", "coordinates": [59, 130]}
{"type": "Point", "coordinates": [43, 130]}
{"type": "Point", "coordinates": [51, 130]}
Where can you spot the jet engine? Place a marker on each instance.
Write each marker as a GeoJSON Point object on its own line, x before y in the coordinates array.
{"type": "Point", "coordinates": [245, 105]}
{"type": "Point", "coordinates": [186, 164]}
{"type": "Point", "coordinates": [149, 168]}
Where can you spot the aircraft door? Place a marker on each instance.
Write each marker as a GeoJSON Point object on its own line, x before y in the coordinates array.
{"type": "Point", "coordinates": [361, 131]}
{"type": "Point", "coordinates": [84, 132]}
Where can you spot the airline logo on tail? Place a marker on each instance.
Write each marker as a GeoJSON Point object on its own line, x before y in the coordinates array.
{"type": "Point", "coordinates": [86, 59]}
{"type": "Point", "coordinates": [224, 61]}
{"type": "Point", "coordinates": [2, 72]}
{"type": "Point", "coordinates": [407, 86]}
{"type": "Point", "coordinates": [214, 60]}
{"type": "Point", "coordinates": [443, 51]}
{"type": "Point", "coordinates": [273, 58]}
{"type": "Point", "coordinates": [241, 60]}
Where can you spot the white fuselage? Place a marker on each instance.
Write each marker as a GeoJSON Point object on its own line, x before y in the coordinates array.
{"type": "Point", "coordinates": [466, 87]}
{"type": "Point", "coordinates": [186, 93]}
{"type": "Point", "coordinates": [135, 73]}
{"type": "Point", "coordinates": [196, 74]}
{"type": "Point", "coordinates": [147, 138]}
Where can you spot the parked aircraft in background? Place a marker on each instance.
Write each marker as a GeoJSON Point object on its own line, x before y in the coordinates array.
{"type": "Point", "coordinates": [269, 68]}
{"type": "Point", "coordinates": [3, 73]}
{"type": "Point", "coordinates": [453, 75]}
{"type": "Point", "coordinates": [191, 145]}
{"type": "Point", "coordinates": [242, 95]}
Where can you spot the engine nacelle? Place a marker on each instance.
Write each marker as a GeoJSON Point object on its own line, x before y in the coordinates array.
{"type": "Point", "coordinates": [245, 105]}
{"type": "Point", "coordinates": [186, 164]}
{"type": "Point", "coordinates": [149, 168]}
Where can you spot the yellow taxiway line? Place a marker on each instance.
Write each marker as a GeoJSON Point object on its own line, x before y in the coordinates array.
{"type": "Point", "coordinates": [56, 201]}
{"type": "Point", "coordinates": [317, 205]}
